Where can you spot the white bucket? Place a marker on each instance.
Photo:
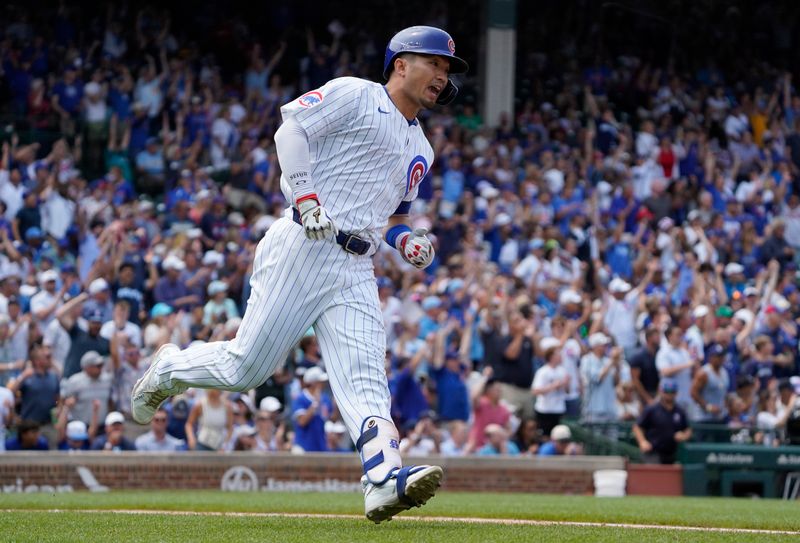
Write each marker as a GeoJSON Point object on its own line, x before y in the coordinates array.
{"type": "Point", "coordinates": [610, 482]}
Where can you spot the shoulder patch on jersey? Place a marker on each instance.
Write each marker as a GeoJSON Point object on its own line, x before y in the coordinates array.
{"type": "Point", "coordinates": [416, 171]}
{"type": "Point", "coordinates": [310, 99]}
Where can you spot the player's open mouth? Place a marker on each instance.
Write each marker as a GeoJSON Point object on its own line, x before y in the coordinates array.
{"type": "Point", "coordinates": [435, 90]}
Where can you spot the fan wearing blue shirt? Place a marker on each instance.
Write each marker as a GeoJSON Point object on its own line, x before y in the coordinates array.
{"type": "Point", "coordinates": [559, 443]}
{"type": "Point", "coordinates": [68, 93]}
{"type": "Point", "coordinates": [28, 438]}
{"type": "Point", "coordinates": [408, 398]}
{"type": "Point", "coordinates": [451, 389]}
{"type": "Point", "coordinates": [310, 410]}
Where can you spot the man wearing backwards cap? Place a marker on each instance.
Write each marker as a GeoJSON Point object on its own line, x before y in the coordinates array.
{"type": "Point", "coordinates": [662, 426]}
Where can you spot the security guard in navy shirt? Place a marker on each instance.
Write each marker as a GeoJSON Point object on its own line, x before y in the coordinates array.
{"type": "Point", "coordinates": [662, 426]}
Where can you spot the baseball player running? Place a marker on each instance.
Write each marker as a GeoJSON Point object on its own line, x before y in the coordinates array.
{"type": "Point", "coordinates": [352, 155]}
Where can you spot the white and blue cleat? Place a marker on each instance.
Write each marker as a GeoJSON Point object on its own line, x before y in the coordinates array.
{"type": "Point", "coordinates": [407, 487]}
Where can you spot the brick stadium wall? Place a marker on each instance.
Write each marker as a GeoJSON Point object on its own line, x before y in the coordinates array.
{"type": "Point", "coordinates": [48, 472]}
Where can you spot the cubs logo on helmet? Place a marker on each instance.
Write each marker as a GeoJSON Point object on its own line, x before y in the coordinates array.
{"type": "Point", "coordinates": [426, 40]}
{"type": "Point", "coordinates": [416, 171]}
{"type": "Point", "coordinates": [310, 99]}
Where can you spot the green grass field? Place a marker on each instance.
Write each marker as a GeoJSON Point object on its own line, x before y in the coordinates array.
{"type": "Point", "coordinates": [31, 517]}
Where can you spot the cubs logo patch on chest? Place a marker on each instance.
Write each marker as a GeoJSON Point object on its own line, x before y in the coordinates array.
{"type": "Point", "coordinates": [416, 171]}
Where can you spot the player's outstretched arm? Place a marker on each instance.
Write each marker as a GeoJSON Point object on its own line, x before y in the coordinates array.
{"type": "Point", "coordinates": [414, 246]}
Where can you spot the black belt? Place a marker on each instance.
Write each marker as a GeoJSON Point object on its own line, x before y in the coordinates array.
{"type": "Point", "coordinates": [349, 242]}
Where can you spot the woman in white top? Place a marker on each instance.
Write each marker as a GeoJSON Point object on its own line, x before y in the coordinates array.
{"type": "Point", "coordinates": [214, 417]}
{"type": "Point", "coordinates": [550, 386]}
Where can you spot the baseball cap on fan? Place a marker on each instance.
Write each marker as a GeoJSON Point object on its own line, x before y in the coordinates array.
{"type": "Point", "coordinates": [597, 339]}
{"type": "Point", "coordinates": [618, 285]}
{"type": "Point", "coordinates": [244, 430]}
{"type": "Point", "coordinates": [97, 286]}
{"type": "Point", "coordinates": [217, 287]}
{"type": "Point", "coordinates": [270, 404]}
{"type": "Point", "coordinates": [173, 263]}
{"type": "Point", "coordinates": [733, 268]}
{"type": "Point", "coordinates": [213, 258]}
{"type": "Point", "coordinates": [160, 310]}
{"type": "Point", "coordinates": [76, 431]}
{"type": "Point", "coordinates": [94, 315]}
{"type": "Point", "coordinates": [49, 275]}
{"type": "Point", "coordinates": [569, 296]}
{"type": "Point", "coordinates": [669, 386]}
{"type": "Point", "coordinates": [548, 343]}
{"type": "Point", "coordinates": [115, 417]}
{"type": "Point", "coordinates": [744, 315]}
{"type": "Point", "coordinates": [314, 374]}
{"type": "Point", "coordinates": [332, 427]}
{"type": "Point", "coordinates": [561, 432]}
{"type": "Point", "coordinates": [92, 358]}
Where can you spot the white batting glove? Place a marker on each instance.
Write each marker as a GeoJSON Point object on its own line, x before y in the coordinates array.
{"type": "Point", "coordinates": [416, 248]}
{"type": "Point", "coordinates": [316, 221]}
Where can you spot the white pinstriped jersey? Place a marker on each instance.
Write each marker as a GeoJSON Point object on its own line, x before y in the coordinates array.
{"type": "Point", "coordinates": [365, 160]}
{"type": "Point", "coordinates": [365, 156]}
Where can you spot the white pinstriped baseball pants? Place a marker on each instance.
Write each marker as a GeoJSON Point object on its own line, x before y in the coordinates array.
{"type": "Point", "coordinates": [298, 283]}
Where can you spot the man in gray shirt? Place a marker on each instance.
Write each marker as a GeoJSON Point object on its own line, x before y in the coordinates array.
{"type": "Point", "coordinates": [87, 386]}
{"type": "Point", "coordinates": [157, 439]}
{"type": "Point", "coordinates": [83, 341]}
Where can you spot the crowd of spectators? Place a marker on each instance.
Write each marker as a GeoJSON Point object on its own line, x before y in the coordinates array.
{"type": "Point", "coordinates": [592, 264]}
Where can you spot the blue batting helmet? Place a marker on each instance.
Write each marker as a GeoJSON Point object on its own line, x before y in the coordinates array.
{"type": "Point", "coordinates": [426, 40]}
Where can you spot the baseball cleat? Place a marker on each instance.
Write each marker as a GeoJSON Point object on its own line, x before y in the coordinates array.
{"type": "Point", "coordinates": [146, 396]}
{"type": "Point", "coordinates": [407, 487]}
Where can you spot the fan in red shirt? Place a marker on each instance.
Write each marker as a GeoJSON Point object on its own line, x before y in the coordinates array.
{"type": "Point", "coordinates": [666, 157]}
{"type": "Point", "coordinates": [488, 410]}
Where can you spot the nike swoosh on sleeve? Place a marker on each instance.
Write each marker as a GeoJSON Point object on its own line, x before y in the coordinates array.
{"type": "Point", "coordinates": [382, 111]}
